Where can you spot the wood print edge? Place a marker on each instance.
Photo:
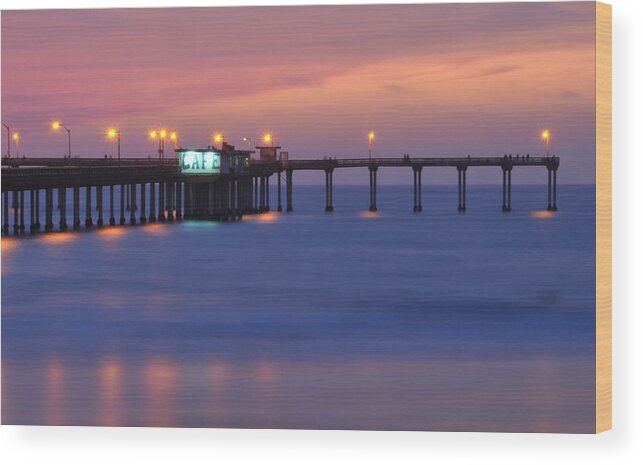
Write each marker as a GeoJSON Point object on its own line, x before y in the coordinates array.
{"type": "Point", "coordinates": [603, 217]}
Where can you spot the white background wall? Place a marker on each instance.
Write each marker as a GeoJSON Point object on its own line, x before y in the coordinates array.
{"type": "Point", "coordinates": [624, 444]}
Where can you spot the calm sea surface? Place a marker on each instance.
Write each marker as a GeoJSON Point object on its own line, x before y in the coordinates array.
{"type": "Point", "coordinates": [438, 321]}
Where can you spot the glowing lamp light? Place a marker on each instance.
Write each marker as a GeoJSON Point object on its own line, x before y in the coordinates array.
{"type": "Point", "coordinates": [371, 135]}
{"type": "Point", "coordinates": [111, 133]}
{"type": "Point", "coordinates": [153, 135]}
{"type": "Point", "coordinates": [267, 138]}
{"type": "Point", "coordinates": [218, 138]}
{"type": "Point", "coordinates": [163, 133]}
{"type": "Point", "coordinates": [56, 125]}
{"type": "Point", "coordinates": [173, 136]}
{"type": "Point", "coordinates": [544, 135]}
{"type": "Point", "coordinates": [16, 136]}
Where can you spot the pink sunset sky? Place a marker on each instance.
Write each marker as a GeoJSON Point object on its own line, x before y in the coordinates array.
{"type": "Point", "coordinates": [430, 80]}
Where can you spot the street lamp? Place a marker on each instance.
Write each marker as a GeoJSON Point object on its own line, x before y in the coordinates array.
{"type": "Point", "coordinates": [114, 134]}
{"type": "Point", "coordinates": [16, 137]}
{"type": "Point", "coordinates": [249, 141]}
{"type": "Point", "coordinates": [8, 140]}
{"type": "Point", "coordinates": [57, 125]}
{"type": "Point", "coordinates": [174, 137]}
{"type": "Point", "coordinates": [371, 136]}
{"type": "Point", "coordinates": [267, 138]}
{"type": "Point", "coordinates": [218, 139]}
{"type": "Point", "coordinates": [160, 135]}
{"type": "Point", "coordinates": [546, 136]}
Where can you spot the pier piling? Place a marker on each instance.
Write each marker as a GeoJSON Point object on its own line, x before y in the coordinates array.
{"type": "Point", "coordinates": [112, 220]}
{"type": "Point", "coordinates": [372, 170]}
{"type": "Point", "coordinates": [329, 189]}
{"type": "Point", "coordinates": [121, 220]}
{"type": "Point", "coordinates": [143, 218]}
{"type": "Point", "coordinates": [132, 210]}
{"type": "Point", "coordinates": [88, 207]}
{"type": "Point", "coordinates": [99, 205]}
{"type": "Point", "coordinates": [5, 213]}
{"type": "Point", "coordinates": [62, 193]}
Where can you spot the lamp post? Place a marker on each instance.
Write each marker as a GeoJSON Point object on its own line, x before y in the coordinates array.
{"type": "Point", "coordinates": [249, 141]}
{"type": "Point", "coordinates": [114, 134]}
{"type": "Point", "coordinates": [8, 140]}
{"type": "Point", "coordinates": [57, 125]}
{"type": "Point", "coordinates": [546, 136]}
{"type": "Point", "coordinates": [160, 135]}
{"type": "Point", "coordinates": [16, 137]}
{"type": "Point", "coordinates": [174, 137]}
{"type": "Point", "coordinates": [371, 136]}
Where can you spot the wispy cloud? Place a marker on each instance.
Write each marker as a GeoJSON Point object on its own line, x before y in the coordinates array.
{"type": "Point", "coordinates": [469, 78]}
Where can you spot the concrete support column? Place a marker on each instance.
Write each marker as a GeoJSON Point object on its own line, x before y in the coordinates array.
{"type": "Point", "coordinates": [279, 191]}
{"type": "Point", "coordinates": [143, 218]}
{"type": "Point", "coordinates": [179, 201]}
{"type": "Point", "coordinates": [16, 210]}
{"type": "Point", "coordinates": [62, 195]}
{"type": "Point", "coordinates": [32, 211]}
{"type": "Point", "coordinates": [112, 220]}
{"type": "Point", "coordinates": [49, 201]}
{"type": "Point", "coordinates": [169, 198]}
{"type": "Point", "coordinates": [414, 190]}
{"type": "Point", "coordinates": [123, 195]}
{"type": "Point", "coordinates": [161, 216]}
{"type": "Point", "coordinates": [99, 205]}
{"type": "Point", "coordinates": [22, 211]}
{"type": "Point", "coordinates": [329, 189]}
{"type": "Point", "coordinates": [186, 196]}
{"type": "Point", "coordinates": [88, 207]}
{"type": "Point", "coordinates": [267, 186]}
{"type": "Point", "coordinates": [509, 189]}
{"type": "Point", "coordinates": [128, 198]}
{"type": "Point", "coordinates": [373, 182]}
{"type": "Point", "coordinates": [49, 207]}
{"type": "Point", "coordinates": [262, 194]}
{"type": "Point", "coordinates": [37, 224]}
{"type": "Point", "coordinates": [152, 217]}
{"type": "Point", "coordinates": [417, 188]}
{"type": "Point", "coordinates": [192, 200]}
{"type": "Point", "coordinates": [504, 190]}
{"type": "Point", "coordinates": [132, 197]}
{"type": "Point", "coordinates": [255, 203]}
{"type": "Point", "coordinates": [462, 188]}
{"type": "Point", "coordinates": [548, 189]}
{"type": "Point", "coordinates": [288, 190]}
{"type": "Point", "coordinates": [5, 213]}
{"type": "Point", "coordinates": [555, 206]}
{"type": "Point", "coordinates": [420, 189]}
{"type": "Point", "coordinates": [76, 207]}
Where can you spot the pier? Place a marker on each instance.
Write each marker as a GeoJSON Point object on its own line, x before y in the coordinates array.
{"type": "Point", "coordinates": [166, 190]}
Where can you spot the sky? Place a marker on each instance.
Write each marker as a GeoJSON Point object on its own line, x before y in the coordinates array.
{"type": "Point", "coordinates": [430, 80]}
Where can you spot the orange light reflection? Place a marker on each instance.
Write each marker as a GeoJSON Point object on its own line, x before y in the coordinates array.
{"type": "Point", "coordinates": [110, 402]}
{"type": "Point", "coordinates": [369, 214]}
{"type": "Point", "coordinates": [543, 214]}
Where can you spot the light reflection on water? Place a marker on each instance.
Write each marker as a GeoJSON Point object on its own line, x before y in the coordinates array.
{"type": "Point", "coordinates": [416, 321]}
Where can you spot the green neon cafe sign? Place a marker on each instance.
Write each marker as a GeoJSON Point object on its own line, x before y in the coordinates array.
{"type": "Point", "coordinates": [200, 162]}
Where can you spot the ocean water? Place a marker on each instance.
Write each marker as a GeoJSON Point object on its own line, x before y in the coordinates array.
{"type": "Point", "coordinates": [481, 321]}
